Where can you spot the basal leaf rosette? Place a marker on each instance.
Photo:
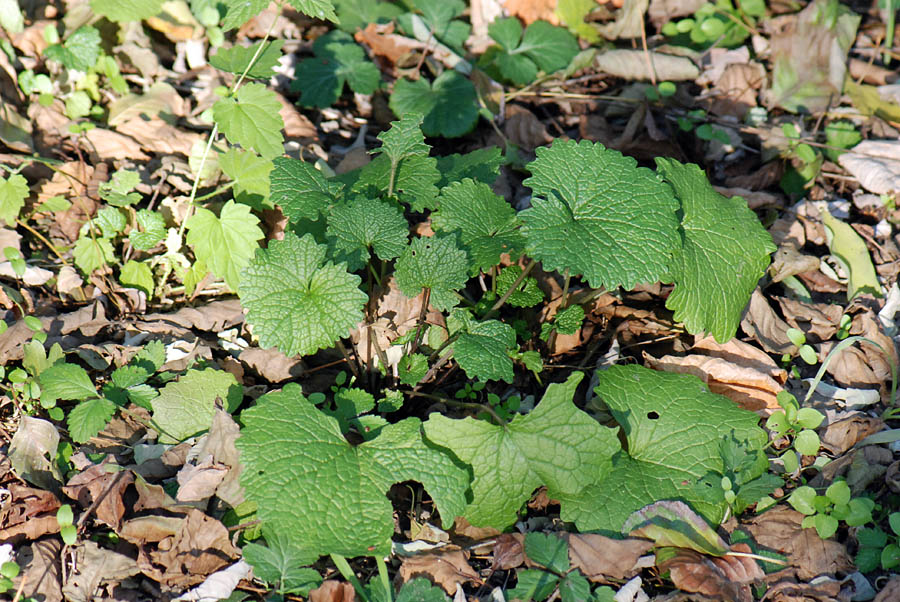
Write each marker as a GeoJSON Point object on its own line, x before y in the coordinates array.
{"type": "Point", "coordinates": [327, 495]}
{"type": "Point", "coordinates": [725, 253]}
{"type": "Point", "coordinates": [597, 214]}
{"type": "Point", "coordinates": [296, 300]}
{"type": "Point", "coordinates": [673, 426]}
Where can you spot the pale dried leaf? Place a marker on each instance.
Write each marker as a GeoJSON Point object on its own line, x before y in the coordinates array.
{"type": "Point", "coordinates": [876, 164]}
{"type": "Point", "coordinates": [841, 435]}
{"type": "Point", "coordinates": [601, 558]}
{"type": "Point", "coordinates": [632, 65]}
{"type": "Point", "coordinates": [97, 483]}
{"type": "Point", "coordinates": [95, 565]}
{"type": "Point", "coordinates": [762, 323]}
{"type": "Point", "coordinates": [446, 569]}
{"type": "Point", "coordinates": [32, 452]}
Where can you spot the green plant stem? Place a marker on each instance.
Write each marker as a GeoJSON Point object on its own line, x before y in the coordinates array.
{"type": "Point", "coordinates": [502, 300]}
{"type": "Point", "coordinates": [344, 567]}
{"type": "Point", "coordinates": [219, 190]}
{"type": "Point", "coordinates": [41, 238]}
{"type": "Point", "coordinates": [426, 297]}
{"type": "Point", "coordinates": [434, 368]}
{"type": "Point", "coordinates": [468, 405]}
{"type": "Point", "coordinates": [346, 354]}
{"type": "Point", "coordinates": [385, 580]}
{"type": "Point", "coordinates": [567, 280]}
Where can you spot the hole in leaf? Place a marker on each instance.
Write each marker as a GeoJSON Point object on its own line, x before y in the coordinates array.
{"type": "Point", "coordinates": [652, 415]}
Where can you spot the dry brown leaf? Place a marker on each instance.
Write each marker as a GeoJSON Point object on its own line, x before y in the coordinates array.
{"type": "Point", "coordinates": [219, 443]}
{"type": "Point", "coordinates": [462, 528]}
{"type": "Point", "coordinates": [532, 10]}
{"type": "Point", "coordinates": [763, 324]}
{"type": "Point", "coordinates": [747, 387]}
{"type": "Point", "coordinates": [870, 73]}
{"type": "Point", "coordinates": [841, 435]}
{"type": "Point", "coordinates": [97, 484]}
{"type": "Point", "coordinates": [663, 11]}
{"type": "Point", "coordinates": [200, 547]}
{"type": "Point", "coordinates": [764, 177]}
{"type": "Point", "coordinates": [198, 482]}
{"type": "Point", "coordinates": [156, 135]}
{"type": "Point", "coordinates": [818, 321]}
{"type": "Point", "coordinates": [446, 569]}
{"type": "Point", "coordinates": [632, 65]}
{"type": "Point", "coordinates": [150, 529]}
{"type": "Point", "coordinates": [94, 565]}
{"type": "Point", "coordinates": [103, 144]}
{"type": "Point", "coordinates": [509, 551]}
{"type": "Point", "coordinates": [779, 529]}
{"type": "Point", "coordinates": [876, 164]}
{"type": "Point", "coordinates": [725, 578]}
{"type": "Point", "coordinates": [30, 530]}
{"type": "Point", "coordinates": [333, 591]}
{"type": "Point", "coordinates": [524, 129]}
{"type": "Point", "coordinates": [382, 40]}
{"type": "Point", "coordinates": [742, 354]}
{"type": "Point", "coordinates": [891, 591]}
{"type": "Point", "coordinates": [601, 558]}
{"type": "Point", "coordinates": [756, 199]}
{"type": "Point", "coordinates": [296, 124]}
{"type": "Point", "coordinates": [849, 367]}
{"type": "Point", "coordinates": [42, 572]}
{"type": "Point", "coordinates": [271, 364]}
{"type": "Point", "coordinates": [824, 590]}
{"type": "Point", "coordinates": [212, 317]}
{"type": "Point", "coordinates": [736, 89]}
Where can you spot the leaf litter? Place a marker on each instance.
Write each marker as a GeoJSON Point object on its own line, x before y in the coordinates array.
{"type": "Point", "coordinates": [115, 483]}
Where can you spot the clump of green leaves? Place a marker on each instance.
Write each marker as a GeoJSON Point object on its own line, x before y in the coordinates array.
{"type": "Point", "coordinates": [878, 548]}
{"type": "Point", "coordinates": [521, 54]}
{"type": "Point", "coordinates": [338, 60]}
{"type": "Point", "coordinates": [719, 23]}
{"type": "Point", "coordinates": [825, 511]}
{"type": "Point", "coordinates": [797, 425]}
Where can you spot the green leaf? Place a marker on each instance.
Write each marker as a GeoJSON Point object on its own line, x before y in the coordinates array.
{"type": "Point", "coordinates": [590, 197]}
{"type": "Point", "coordinates": [295, 300]}
{"type": "Point", "coordinates": [533, 584]}
{"type": "Point", "coordinates": [338, 60]}
{"type": "Point", "coordinates": [225, 243]}
{"type": "Point", "coordinates": [318, 9]}
{"type": "Point", "coordinates": [807, 442]}
{"type": "Point", "coordinates": [110, 221]}
{"type": "Point", "coordinates": [12, 20]}
{"type": "Point", "coordinates": [487, 224]}
{"type": "Point", "coordinates": [725, 251]}
{"type": "Point", "coordinates": [449, 104]}
{"type": "Point", "coordinates": [126, 10]}
{"type": "Point", "coordinates": [850, 249]}
{"type": "Point", "coordinates": [239, 12]}
{"type": "Point", "coordinates": [575, 588]}
{"type": "Point", "coordinates": [237, 58]}
{"type": "Point", "coordinates": [279, 563]}
{"type": "Point", "coordinates": [252, 120]}
{"type": "Point", "coordinates": [66, 381]}
{"type": "Point", "coordinates": [137, 274]}
{"type": "Point", "coordinates": [527, 294]}
{"type": "Point", "coordinates": [249, 171]}
{"type": "Point", "coordinates": [89, 418]}
{"type": "Point", "coordinates": [412, 369]}
{"type": "Point", "coordinates": [421, 590]}
{"type": "Point", "coordinates": [548, 551]}
{"type": "Point", "coordinates": [673, 426]}
{"type": "Point", "coordinates": [301, 190]}
{"type": "Point", "coordinates": [80, 50]}
{"type": "Point", "coordinates": [185, 408]}
{"type": "Point", "coordinates": [117, 191]}
{"type": "Point", "coordinates": [13, 191]}
{"type": "Point", "coordinates": [671, 523]}
{"type": "Point", "coordinates": [841, 134]}
{"type": "Point", "coordinates": [507, 32]}
{"type": "Point", "coordinates": [481, 349]}
{"type": "Point", "coordinates": [357, 14]}
{"type": "Point", "coordinates": [481, 165]}
{"type": "Point", "coordinates": [404, 138]}
{"type": "Point", "coordinates": [434, 263]}
{"type": "Point", "coordinates": [340, 505]}
{"type": "Point", "coordinates": [154, 230]}
{"type": "Point", "coordinates": [556, 445]}
{"type": "Point", "coordinates": [569, 320]}
{"type": "Point", "coordinates": [572, 14]}
{"type": "Point", "coordinates": [414, 182]}
{"type": "Point", "coordinates": [362, 225]}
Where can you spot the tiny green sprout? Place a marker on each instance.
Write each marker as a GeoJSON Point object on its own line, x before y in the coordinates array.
{"type": "Point", "coordinates": [824, 512]}
{"type": "Point", "coordinates": [844, 327]}
{"type": "Point", "coordinates": [8, 572]}
{"type": "Point", "coordinates": [15, 260]}
{"type": "Point", "coordinates": [797, 424]}
{"type": "Point", "coordinates": [798, 338]}
{"type": "Point", "coordinates": [667, 89]}
{"type": "Point", "coordinates": [64, 518]}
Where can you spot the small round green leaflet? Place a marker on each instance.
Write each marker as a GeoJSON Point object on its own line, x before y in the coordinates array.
{"type": "Point", "coordinates": [838, 493]}
{"type": "Point", "coordinates": [10, 570]}
{"type": "Point", "coordinates": [807, 443]}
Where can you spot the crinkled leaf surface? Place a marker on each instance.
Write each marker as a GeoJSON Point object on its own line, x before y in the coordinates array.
{"type": "Point", "coordinates": [280, 562]}
{"type": "Point", "coordinates": [297, 301]}
{"type": "Point", "coordinates": [88, 418]}
{"type": "Point", "coordinates": [338, 503]}
{"type": "Point", "coordinates": [556, 445]}
{"type": "Point", "coordinates": [252, 119]}
{"type": "Point", "coordinates": [13, 191]}
{"type": "Point", "coordinates": [339, 60]}
{"type": "Point", "coordinates": [527, 294]}
{"type": "Point", "coordinates": [301, 190]}
{"type": "Point", "coordinates": [66, 381]}
{"type": "Point", "coordinates": [673, 426]}
{"type": "Point", "coordinates": [724, 254]}
{"type": "Point", "coordinates": [79, 51]}
{"type": "Point", "coordinates": [249, 171]}
{"type": "Point", "coordinates": [549, 46]}
{"type": "Point", "coordinates": [481, 349]}
{"type": "Point", "coordinates": [481, 165]}
{"type": "Point", "coordinates": [153, 230]}
{"type": "Point", "coordinates": [319, 9]}
{"type": "Point", "coordinates": [434, 263]}
{"type": "Point", "coordinates": [126, 10]}
{"type": "Point", "coordinates": [90, 253]}
{"type": "Point", "coordinates": [137, 274]}
{"type": "Point", "coordinates": [362, 225]}
{"type": "Point", "coordinates": [598, 214]}
{"type": "Point", "coordinates": [186, 407]}
{"type": "Point", "coordinates": [487, 224]}
{"type": "Point", "coordinates": [450, 103]}
{"type": "Point", "coordinates": [414, 182]}
{"type": "Point", "coordinates": [227, 242]}
{"type": "Point", "coordinates": [239, 12]}
{"type": "Point", "coordinates": [237, 58]}
{"type": "Point", "coordinates": [404, 138]}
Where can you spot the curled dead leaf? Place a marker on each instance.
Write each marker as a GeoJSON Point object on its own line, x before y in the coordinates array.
{"type": "Point", "coordinates": [446, 569]}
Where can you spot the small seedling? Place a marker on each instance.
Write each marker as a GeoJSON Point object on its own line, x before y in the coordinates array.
{"type": "Point", "coordinates": [825, 511]}
{"type": "Point", "coordinates": [67, 530]}
{"type": "Point", "coordinates": [806, 352]}
{"type": "Point", "coordinates": [878, 548]}
{"type": "Point", "coordinates": [796, 424]}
